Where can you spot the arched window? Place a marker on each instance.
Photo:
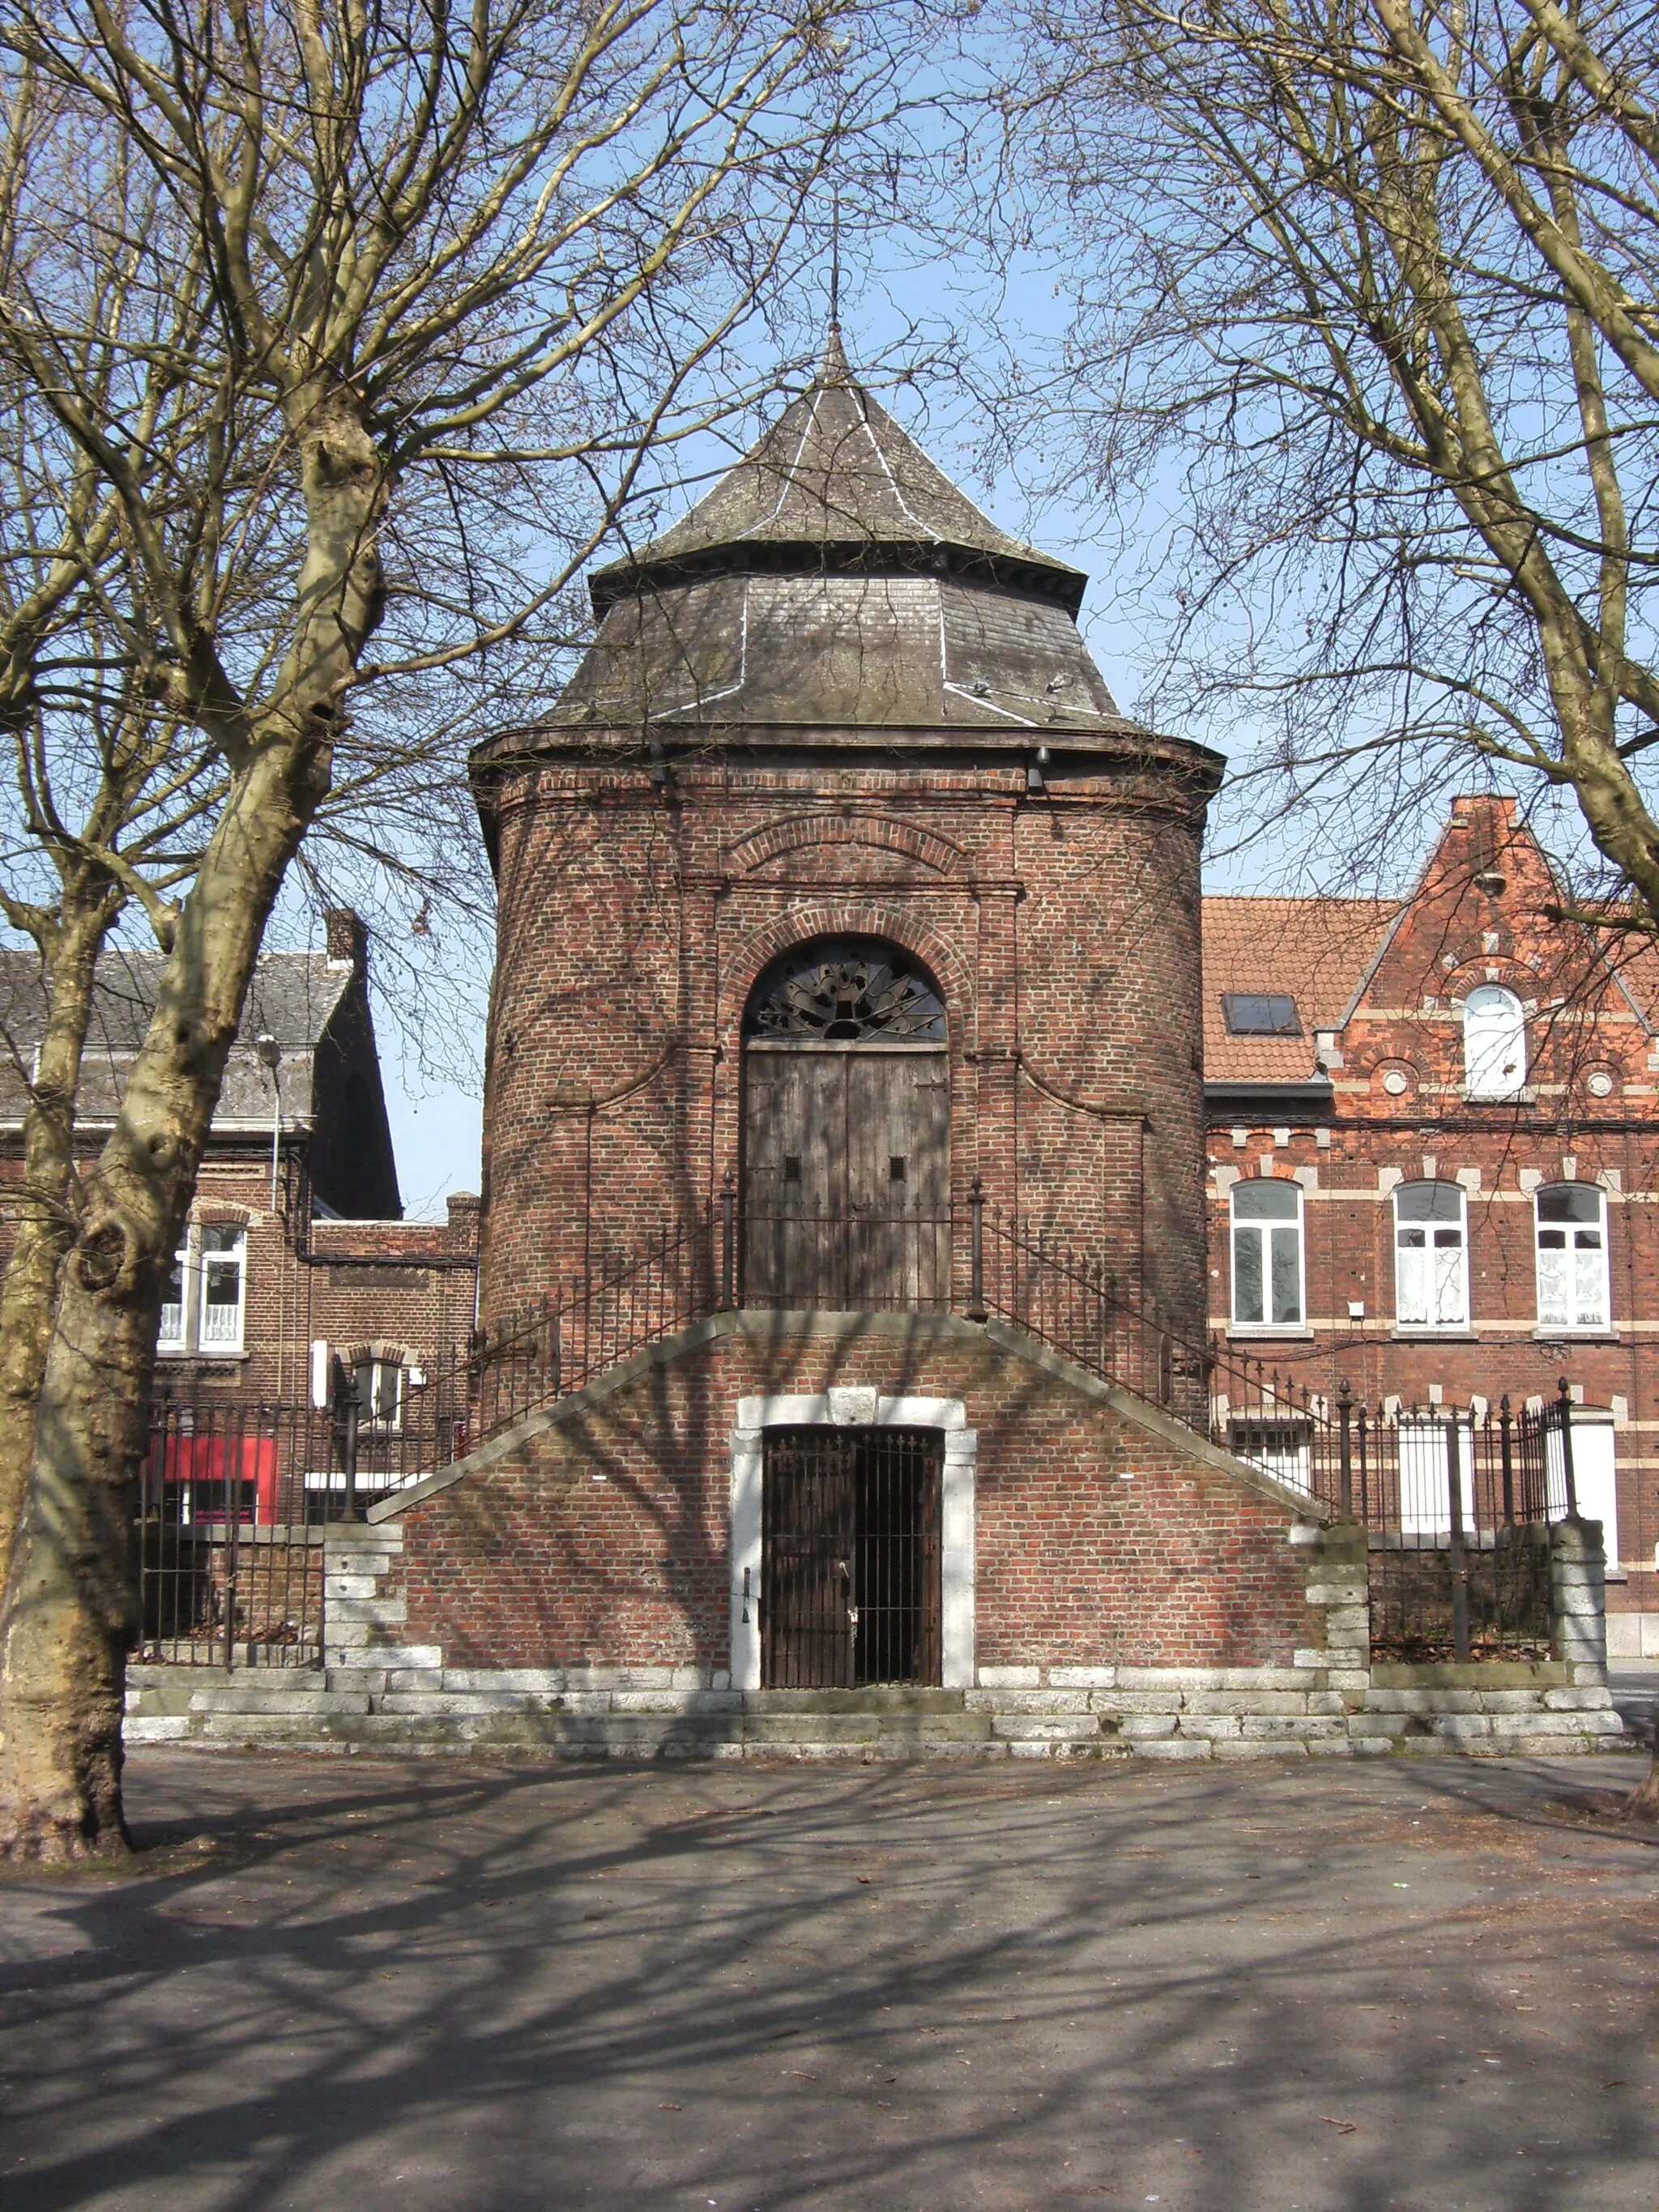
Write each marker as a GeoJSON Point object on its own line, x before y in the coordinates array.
{"type": "Point", "coordinates": [850, 990]}
{"type": "Point", "coordinates": [1494, 1044]}
{"type": "Point", "coordinates": [1430, 1256]}
{"type": "Point", "coordinates": [1267, 1253]}
{"type": "Point", "coordinates": [1572, 1256]}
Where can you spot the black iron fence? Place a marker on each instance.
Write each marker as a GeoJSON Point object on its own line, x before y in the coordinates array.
{"type": "Point", "coordinates": [234, 1499]}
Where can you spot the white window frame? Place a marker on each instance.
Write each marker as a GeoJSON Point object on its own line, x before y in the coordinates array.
{"type": "Point", "coordinates": [1261, 1231]}
{"type": "Point", "coordinates": [176, 1339]}
{"type": "Point", "coordinates": [1562, 1308]}
{"type": "Point", "coordinates": [368, 1375]}
{"type": "Point", "coordinates": [209, 1264]}
{"type": "Point", "coordinates": [1494, 1044]}
{"type": "Point", "coordinates": [1440, 1311]}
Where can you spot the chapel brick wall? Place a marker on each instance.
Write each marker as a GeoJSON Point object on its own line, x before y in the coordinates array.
{"type": "Point", "coordinates": [604, 1540]}
{"type": "Point", "coordinates": [1061, 925]}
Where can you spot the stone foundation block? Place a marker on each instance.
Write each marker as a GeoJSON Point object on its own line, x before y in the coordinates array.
{"type": "Point", "coordinates": [1556, 1724]}
{"type": "Point", "coordinates": [1184, 1748]}
{"type": "Point", "coordinates": [1043, 1728]}
{"type": "Point", "coordinates": [1251, 1748]}
{"type": "Point", "coordinates": [1082, 1678]}
{"type": "Point", "coordinates": [387, 1656]}
{"type": "Point", "coordinates": [338, 1586]}
{"type": "Point", "coordinates": [1028, 1701]}
{"type": "Point", "coordinates": [1459, 1726]}
{"type": "Point", "coordinates": [1213, 1726]}
{"type": "Point", "coordinates": [1145, 1728]}
{"type": "Point", "coordinates": [1348, 1591]}
{"type": "Point", "coordinates": [1248, 1701]}
{"type": "Point", "coordinates": [1009, 1678]}
{"type": "Point", "coordinates": [370, 1612]}
{"type": "Point", "coordinates": [1282, 1728]}
{"type": "Point", "coordinates": [1578, 1701]}
{"type": "Point", "coordinates": [1135, 1701]}
{"type": "Point", "coordinates": [1348, 1623]}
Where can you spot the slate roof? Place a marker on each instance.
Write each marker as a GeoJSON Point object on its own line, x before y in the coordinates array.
{"type": "Point", "coordinates": [291, 998]}
{"type": "Point", "coordinates": [835, 577]}
{"type": "Point", "coordinates": [834, 473]}
{"type": "Point", "coordinates": [1316, 949]}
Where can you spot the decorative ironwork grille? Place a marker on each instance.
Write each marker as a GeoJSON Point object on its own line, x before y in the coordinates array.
{"type": "Point", "coordinates": [850, 1560]}
{"type": "Point", "coordinates": [846, 989]}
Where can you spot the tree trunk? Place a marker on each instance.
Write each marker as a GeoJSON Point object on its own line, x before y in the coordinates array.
{"type": "Point", "coordinates": [45, 1209]}
{"type": "Point", "coordinates": [1643, 1803]}
{"type": "Point", "coordinates": [69, 1614]}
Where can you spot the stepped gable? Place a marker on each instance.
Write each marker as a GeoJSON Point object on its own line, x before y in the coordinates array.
{"type": "Point", "coordinates": [835, 577]}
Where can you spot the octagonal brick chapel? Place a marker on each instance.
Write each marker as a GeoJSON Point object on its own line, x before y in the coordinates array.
{"type": "Point", "coordinates": [847, 991]}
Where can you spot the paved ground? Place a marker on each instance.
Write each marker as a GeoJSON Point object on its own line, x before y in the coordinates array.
{"type": "Point", "coordinates": [1309, 1987]}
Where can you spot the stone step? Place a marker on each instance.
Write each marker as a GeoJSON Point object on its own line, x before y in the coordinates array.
{"type": "Point", "coordinates": [900, 1699]}
{"type": "Point", "coordinates": [880, 1727]}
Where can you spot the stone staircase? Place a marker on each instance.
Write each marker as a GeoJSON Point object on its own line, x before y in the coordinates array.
{"type": "Point", "coordinates": [375, 1691]}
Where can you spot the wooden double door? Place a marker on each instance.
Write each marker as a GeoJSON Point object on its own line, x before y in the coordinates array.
{"type": "Point", "coordinates": [850, 1566]}
{"type": "Point", "coordinates": [847, 1175]}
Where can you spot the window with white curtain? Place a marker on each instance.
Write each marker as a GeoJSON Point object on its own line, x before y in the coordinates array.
{"type": "Point", "coordinates": [171, 1337]}
{"type": "Point", "coordinates": [224, 1285]}
{"type": "Point", "coordinates": [1572, 1256]}
{"type": "Point", "coordinates": [1267, 1217]}
{"type": "Point", "coordinates": [1430, 1256]}
{"type": "Point", "coordinates": [1494, 1043]}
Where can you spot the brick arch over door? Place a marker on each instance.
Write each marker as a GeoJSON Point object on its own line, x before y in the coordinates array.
{"type": "Point", "coordinates": [880, 831]}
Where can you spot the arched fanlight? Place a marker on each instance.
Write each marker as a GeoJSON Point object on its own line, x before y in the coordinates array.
{"type": "Point", "coordinates": [846, 990]}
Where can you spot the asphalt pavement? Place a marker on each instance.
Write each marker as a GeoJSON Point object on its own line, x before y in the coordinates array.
{"type": "Point", "coordinates": [1316, 1986]}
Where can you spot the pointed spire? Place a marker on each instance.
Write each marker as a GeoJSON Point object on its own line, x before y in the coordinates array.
{"type": "Point", "coordinates": [833, 368]}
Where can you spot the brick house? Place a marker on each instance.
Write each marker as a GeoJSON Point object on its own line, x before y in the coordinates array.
{"type": "Point", "coordinates": [294, 1266]}
{"type": "Point", "coordinates": [1433, 1149]}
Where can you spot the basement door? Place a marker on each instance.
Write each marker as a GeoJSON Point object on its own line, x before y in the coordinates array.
{"type": "Point", "coordinates": [850, 1583]}
{"type": "Point", "coordinates": [846, 1176]}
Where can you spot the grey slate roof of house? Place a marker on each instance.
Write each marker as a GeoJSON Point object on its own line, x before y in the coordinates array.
{"type": "Point", "coordinates": [836, 577]}
{"type": "Point", "coordinates": [291, 998]}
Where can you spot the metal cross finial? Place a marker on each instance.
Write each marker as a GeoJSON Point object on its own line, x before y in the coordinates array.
{"type": "Point", "coordinates": [834, 263]}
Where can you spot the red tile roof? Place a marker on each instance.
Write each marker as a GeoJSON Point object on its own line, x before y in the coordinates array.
{"type": "Point", "coordinates": [1316, 949]}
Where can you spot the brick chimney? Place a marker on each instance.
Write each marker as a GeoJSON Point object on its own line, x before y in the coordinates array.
{"type": "Point", "coordinates": [348, 936]}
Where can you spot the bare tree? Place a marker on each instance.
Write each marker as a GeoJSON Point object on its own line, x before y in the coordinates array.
{"type": "Point", "coordinates": [456, 271]}
{"type": "Point", "coordinates": [1367, 297]}
{"type": "Point", "coordinates": [107, 785]}
{"type": "Point", "coordinates": [1369, 293]}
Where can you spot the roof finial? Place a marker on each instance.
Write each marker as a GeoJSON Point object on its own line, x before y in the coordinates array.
{"type": "Point", "coordinates": [835, 264]}
{"type": "Point", "coordinates": [833, 368]}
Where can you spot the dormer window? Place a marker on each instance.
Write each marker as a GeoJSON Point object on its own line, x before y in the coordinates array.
{"type": "Point", "coordinates": [1494, 1044]}
{"type": "Point", "coordinates": [1260, 1014]}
